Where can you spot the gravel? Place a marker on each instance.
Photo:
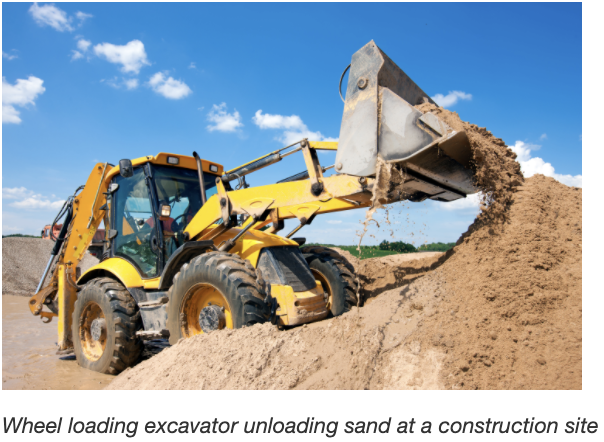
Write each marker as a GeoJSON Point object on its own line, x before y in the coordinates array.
{"type": "Point", "coordinates": [23, 262]}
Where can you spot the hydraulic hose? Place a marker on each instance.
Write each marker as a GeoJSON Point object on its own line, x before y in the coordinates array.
{"type": "Point", "coordinates": [58, 244]}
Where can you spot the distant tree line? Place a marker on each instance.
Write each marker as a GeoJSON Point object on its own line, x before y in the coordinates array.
{"type": "Point", "coordinates": [397, 246]}
{"type": "Point", "coordinates": [19, 235]}
{"type": "Point", "coordinates": [436, 247]}
{"type": "Point", "coordinates": [401, 247]}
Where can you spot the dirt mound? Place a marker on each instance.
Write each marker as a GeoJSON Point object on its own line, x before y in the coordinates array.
{"type": "Point", "coordinates": [504, 311]}
{"type": "Point", "coordinates": [377, 275]}
{"type": "Point", "coordinates": [513, 314]}
{"type": "Point", "coordinates": [24, 261]}
{"type": "Point", "coordinates": [364, 348]}
{"type": "Point", "coordinates": [497, 171]}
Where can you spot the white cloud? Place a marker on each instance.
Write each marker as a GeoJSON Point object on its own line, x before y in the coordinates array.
{"type": "Point", "coordinates": [543, 137]}
{"type": "Point", "coordinates": [192, 65]}
{"type": "Point", "coordinates": [50, 15]}
{"type": "Point", "coordinates": [128, 83]}
{"type": "Point", "coordinates": [532, 165]}
{"type": "Point", "coordinates": [334, 221]}
{"type": "Point", "coordinates": [10, 115]}
{"type": "Point", "coordinates": [295, 129]}
{"type": "Point", "coordinates": [131, 83]}
{"type": "Point", "coordinates": [131, 56]}
{"type": "Point", "coordinates": [82, 16]}
{"type": "Point", "coordinates": [11, 193]}
{"type": "Point", "coordinates": [269, 121]}
{"type": "Point", "coordinates": [83, 45]}
{"type": "Point", "coordinates": [22, 93]}
{"type": "Point", "coordinates": [470, 203]}
{"type": "Point", "coordinates": [27, 199]}
{"type": "Point", "coordinates": [451, 98]}
{"type": "Point", "coordinates": [223, 121]}
{"type": "Point", "coordinates": [290, 137]}
{"type": "Point", "coordinates": [169, 87]}
{"type": "Point", "coordinates": [8, 56]}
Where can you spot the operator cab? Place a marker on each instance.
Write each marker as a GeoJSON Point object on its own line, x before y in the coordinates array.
{"type": "Point", "coordinates": [139, 232]}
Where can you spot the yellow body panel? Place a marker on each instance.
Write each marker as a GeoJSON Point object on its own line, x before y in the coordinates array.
{"type": "Point", "coordinates": [151, 284]}
{"type": "Point", "coordinates": [89, 201]}
{"type": "Point", "coordinates": [252, 242]}
{"type": "Point", "coordinates": [299, 307]}
{"type": "Point", "coordinates": [122, 269]}
{"type": "Point", "coordinates": [324, 145]}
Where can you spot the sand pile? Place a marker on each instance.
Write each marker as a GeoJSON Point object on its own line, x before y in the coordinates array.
{"type": "Point", "coordinates": [512, 319]}
{"type": "Point", "coordinates": [24, 261]}
{"type": "Point", "coordinates": [362, 349]}
{"type": "Point", "coordinates": [504, 311]}
{"type": "Point", "coordinates": [378, 275]}
{"type": "Point", "coordinates": [497, 171]}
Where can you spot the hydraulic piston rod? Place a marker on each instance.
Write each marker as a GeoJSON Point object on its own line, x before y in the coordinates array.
{"type": "Point", "coordinates": [57, 248]}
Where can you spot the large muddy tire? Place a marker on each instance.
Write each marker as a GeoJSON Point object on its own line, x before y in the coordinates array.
{"type": "Point", "coordinates": [337, 277]}
{"type": "Point", "coordinates": [104, 326]}
{"type": "Point", "coordinates": [215, 290]}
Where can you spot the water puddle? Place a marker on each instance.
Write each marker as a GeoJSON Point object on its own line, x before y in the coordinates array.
{"type": "Point", "coordinates": [29, 361]}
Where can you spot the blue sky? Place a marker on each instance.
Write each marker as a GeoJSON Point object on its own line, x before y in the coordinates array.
{"type": "Point", "coordinates": [87, 82]}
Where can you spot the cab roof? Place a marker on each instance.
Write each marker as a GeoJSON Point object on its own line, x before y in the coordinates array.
{"type": "Point", "coordinates": [184, 161]}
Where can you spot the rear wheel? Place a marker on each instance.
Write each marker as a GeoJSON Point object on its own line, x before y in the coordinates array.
{"type": "Point", "coordinates": [337, 276]}
{"type": "Point", "coordinates": [213, 291]}
{"type": "Point", "coordinates": [104, 325]}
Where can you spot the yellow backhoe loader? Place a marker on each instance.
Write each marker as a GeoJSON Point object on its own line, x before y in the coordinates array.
{"type": "Point", "coordinates": [186, 253]}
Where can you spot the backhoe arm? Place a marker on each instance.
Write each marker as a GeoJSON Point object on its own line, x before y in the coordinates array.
{"type": "Point", "coordinates": [60, 294]}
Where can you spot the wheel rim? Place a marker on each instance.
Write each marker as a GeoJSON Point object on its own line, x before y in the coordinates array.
{"type": "Point", "coordinates": [206, 298]}
{"type": "Point", "coordinates": [93, 331]}
{"type": "Point", "coordinates": [326, 287]}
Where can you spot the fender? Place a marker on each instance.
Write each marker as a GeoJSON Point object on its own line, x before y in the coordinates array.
{"type": "Point", "coordinates": [119, 268]}
{"type": "Point", "coordinates": [182, 255]}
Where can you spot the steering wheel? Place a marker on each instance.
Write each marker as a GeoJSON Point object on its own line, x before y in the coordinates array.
{"type": "Point", "coordinates": [179, 217]}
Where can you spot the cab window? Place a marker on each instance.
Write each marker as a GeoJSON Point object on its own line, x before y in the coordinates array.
{"type": "Point", "coordinates": [133, 219]}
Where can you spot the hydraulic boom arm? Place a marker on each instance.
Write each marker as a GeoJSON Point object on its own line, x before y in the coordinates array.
{"type": "Point", "coordinates": [60, 293]}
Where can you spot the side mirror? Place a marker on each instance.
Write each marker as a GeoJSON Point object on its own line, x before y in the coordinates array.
{"type": "Point", "coordinates": [165, 212]}
{"type": "Point", "coordinates": [126, 168]}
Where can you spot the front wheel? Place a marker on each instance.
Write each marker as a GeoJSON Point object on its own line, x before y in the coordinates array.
{"type": "Point", "coordinates": [213, 291]}
{"type": "Point", "coordinates": [337, 276]}
{"type": "Point", "coordinates": [104, 326]}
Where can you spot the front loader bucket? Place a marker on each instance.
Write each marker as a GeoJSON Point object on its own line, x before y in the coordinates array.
{"type": "Point", "coordinates": [380, 120]}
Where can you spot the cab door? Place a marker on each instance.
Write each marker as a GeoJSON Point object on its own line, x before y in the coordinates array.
{"type": "Point", "coordinates": [135, 236]}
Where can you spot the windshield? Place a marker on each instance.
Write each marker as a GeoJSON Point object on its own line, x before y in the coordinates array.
{"type": "Point", "coordinates": [179, 188]}
{"type": "Point", "coordinates": [133, 220]}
